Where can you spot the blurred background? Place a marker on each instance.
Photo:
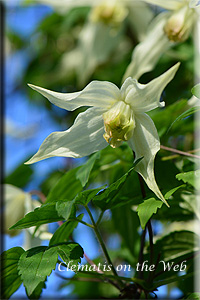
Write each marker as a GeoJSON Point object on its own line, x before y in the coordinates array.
{"type": "Point", "coordinates": [63, 48]}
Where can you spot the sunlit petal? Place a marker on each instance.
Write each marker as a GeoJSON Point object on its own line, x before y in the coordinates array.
{"type": "Point", "coordinates": [96, 93]}
{"type": "Point", "coordinates": [147, 53]}
{"type": "Point", "coordinates": [167, 4]}
{"type": "Point", "coordinates": [84, 137]}
{"type": "Point", "coordinates": [145, 97]}
{"type": "Point", "coordinates": [145, 143]}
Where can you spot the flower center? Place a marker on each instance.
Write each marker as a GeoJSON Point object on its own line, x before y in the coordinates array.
{"type": "Point", "coordinates": [119, 124]}
{"type": "Point", "coordinates": [110, 13]}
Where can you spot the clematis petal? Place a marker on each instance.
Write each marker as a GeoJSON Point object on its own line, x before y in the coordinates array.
{"type": "Point", "coordinates": [97, 93]}
{"type": "Point", "coordinates": [145, 143]}
{"type": "Point", "coordinates": [145, 97]}
{"type": "Point", "coordinates": [84, 137]}
{"type": "Point", "coordinates": [147, 53]}
{"type": "Point", "coordinates": [167, 4]}
{"type": "Point", "coordinates": [194, 4]}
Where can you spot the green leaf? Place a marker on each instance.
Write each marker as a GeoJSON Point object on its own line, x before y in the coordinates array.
{"type": "Point", "coordinates": [107, 198]}
{"type": "Point", "coordinates": [177, 211]}
{"type": "Point", "coordinates": [50, 181]}
{"type": "Point", "coordinates": [64, 232]}
{"type": "Point", "coordinates": [70, 252]}
{"type": "Point", "coordinates": [10, 278]}
{"type": "Point", "coordinates": [190, 203]}
{"type": "Point", "coordinates": [64, 209]}
{"type": "Point", "coordinates": [188, 177]}
{"type": "Point", "coordinates": [194, 295]}
{"type": "Point", "coordinates": [20, 176]}
{"type": "Point", "coordinates": [84, 172]}
{"type": "Point", "coordinates": [186, 114]}
{"type": "Point", "coordinates": [37, 291]}
{"type": "Point", "coordinates": [55, 211]}
{"type": "Point", "coordinates": [66, 188]}
{"type": "Point", "coordinates": [164, 118]}
{"type": "Point", "coordinates": [196, 90]}
{"type": "Point", "coordinates": [177, 244]}
{"type": "Point", "coordinates": [37, 263]}
{"type": "Point", "coordinates": [171, 279]}
{"type": "Point", "coordinates": [46, 213]}
{"type": "Point", "coordinates": [172, 191]}
{"type": "Point", "coordinates": [146, 209]}
{"type": "Point", "coordinates": [86, 196]}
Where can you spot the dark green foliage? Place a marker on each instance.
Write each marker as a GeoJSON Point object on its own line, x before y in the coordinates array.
{"type": "Point", "coordinates": [64, 232]}
{"type": "Point", "coordinates": [10, 279]}
{"type": "Point", "coordinates": [20, 176]}
{"type": "Point", "coordinates": [108, 198]}
{"type": "Point", "coordinates": [66, 188]}
{"type": "Point", "coordinates": [41, 215]}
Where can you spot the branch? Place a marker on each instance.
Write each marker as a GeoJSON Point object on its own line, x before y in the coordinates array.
{"type": "Point", "coordinates": [180, 152]}
{"type": "Point", "coordinates": [151, 245]}
{"type": "Point", "coordinates": [140, 259]}
{"type": "Point", "coordinates": [92, 264]}
{"type": "Point", "coordinates": [102, 245]}
{"type": "Point", "coordinates": [39, 194]}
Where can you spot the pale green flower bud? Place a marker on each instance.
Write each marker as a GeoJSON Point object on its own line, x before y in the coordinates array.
{"type": "Point", "coordinates": [179, 25]}
{"type": "Point", "coordinates": [111, 13]}
{"type": "Point", "coordinates": [119, 124]}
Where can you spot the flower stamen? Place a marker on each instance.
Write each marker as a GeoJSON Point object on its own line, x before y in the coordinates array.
{"type": "Point", "coordinates": [119, 124]}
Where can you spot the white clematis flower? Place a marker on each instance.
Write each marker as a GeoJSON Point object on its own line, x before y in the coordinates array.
{"type": "Point", "coordinates": [116, 115]}
{"type": "Point", "coordinates": [165, 31]}
{"type": "Point", "coordinates": [183, 16]}
{"type": "Point", "coordinates": [147, 53]}
{"type": "Point", "coordinates": [17, 204]}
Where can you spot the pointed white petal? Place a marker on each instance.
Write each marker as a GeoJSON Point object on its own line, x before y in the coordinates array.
{"type": "Point", "coordinates": [147, 53]}
{"type": "Point", "coordinates": [97, 93]}
{"type": "Point", "coordinates": [194, 4]}
{"type": "Point", "coordinates": [145, 97]}
{"type": "Point", "coordinates": [167, 4]}
{"type": "Point", "coordinates": [84, 137]}
{"type": "Point", "coordinates": [145, 143]}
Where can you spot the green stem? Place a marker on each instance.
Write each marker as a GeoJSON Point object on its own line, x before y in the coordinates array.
{"type": "Point", "coordinates": [101, 242]}
{"type": "Point", "coordinates": [149, 227]}
{"type": "Point", "coordinates": [100, 217]}
{"type": "Point", "coordinates": [80, 221]}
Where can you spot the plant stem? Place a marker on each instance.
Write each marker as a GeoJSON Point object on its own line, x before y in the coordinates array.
{"type": "Point", "coordinates": [100, 217]}
{"type": "Point", "coordinates": [92, 264]}
{"type": "Point", "coordinates": [84, 223]}
{"type": "Point", "coordinates": [150, 240]}
{"type": "Point", "coordinates": [151, 245]}
{"type": "Point", "coordinates": [179, 151]}
{"type": "Point", "coordinates": [101, 242]}
{"type": "Point", "coordinates": [39, 194]}
{"type": "Point", "coordinates": [177, 155]}
{"type": "Point", "coordinates": [142, 186]}
{"type": "Point", "coordinates": [140, 259]}
{"type": "Point", "coordinates": [149, 227]}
